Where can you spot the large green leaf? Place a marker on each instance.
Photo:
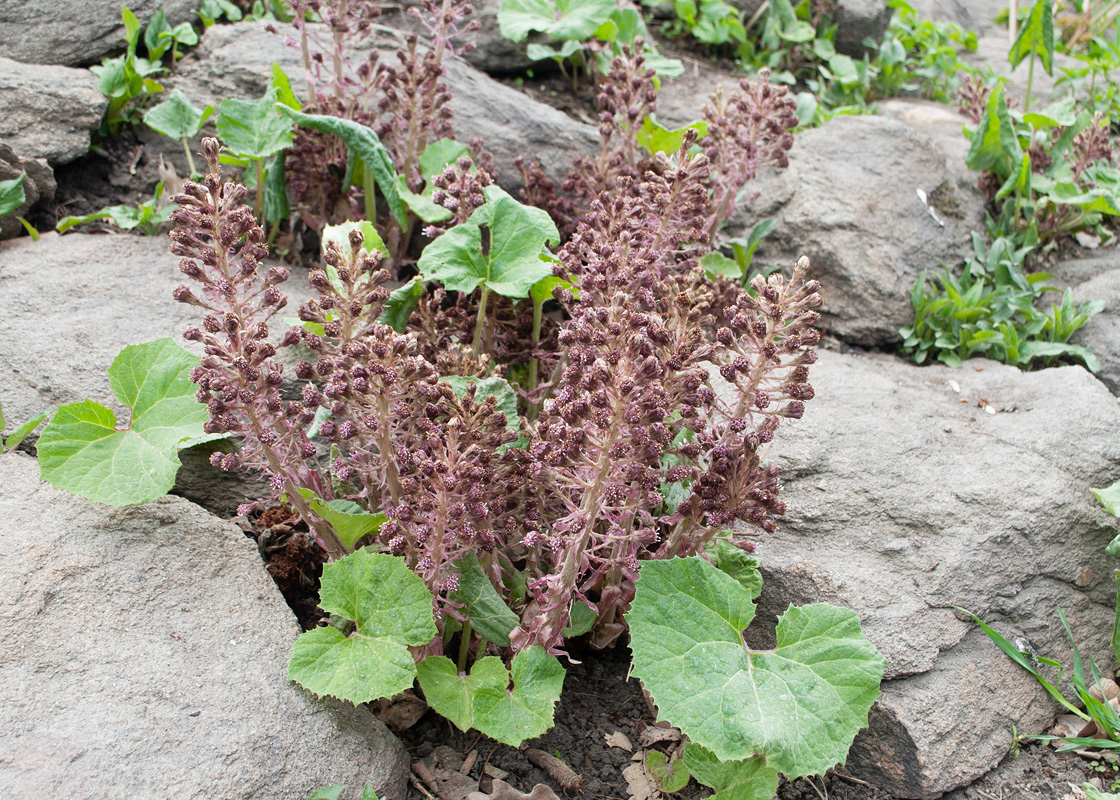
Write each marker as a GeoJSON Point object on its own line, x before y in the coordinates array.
{"type": "Point", "coordinates": [362, 144]}
{"type": "Point", "coordinates": [995, 138]}
{"type": "Point", "coordinates": [391, 610]}
{"type": "Point", "coordinates": [489, 615]}
{"type": "Point", "coordinates": [252, 128]}
{"type": "Point", "coordinates": [348, 519]}
{"type": "Point", "coordinates": [1036, 36]}
{"type": "Point", "coordinates": [12, 195]}
{"type": "Point", "coordinates": [799, 705]}
{"type": "Point", "coordinates": [749, 779]}
{"type": "Point", "coordinates": [402, 302]}
{"type": "Point", "coordinates": [483, 699]}
{"type": "Point", "coordinates": [737, 563]}
{"type": "Point", "coordinates": [509, 263]}
{"type": "Point", "coordinates": [176, 117]}
{"type": "Point", "coordinates": [656, 138]}
{"type": "Point", "coordinates": [82, 451]}
{"type": "Point", "coordinates": [562, 19]}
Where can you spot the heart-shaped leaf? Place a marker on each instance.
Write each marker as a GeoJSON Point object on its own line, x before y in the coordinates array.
{"type": "Point", "coordinates": [511, 262]}
{"type": "Point", "coordinates": [1036, 36]}
{"type": "Point", "coordinates": [176, 117]}
{"type": "Point", "coordinates": [252, 128]}
{"type": "Point", "coordinates": [484, 700]}
{"type": "Point", "coordinates": [82, 451]}
{"type": "Point", "coordinates": [489, 615]}
{"type": "Point", "coordinates": [686, 626]}
{"type": "Point", "coordinates": [391, 609]}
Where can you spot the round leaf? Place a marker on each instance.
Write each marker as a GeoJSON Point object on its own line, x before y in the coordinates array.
{"type": "Point", "coordinates": [800, 705]}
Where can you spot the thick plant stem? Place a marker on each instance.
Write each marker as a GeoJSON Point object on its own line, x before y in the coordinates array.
{"type": "Point", "coordinates": [260, 185]}
{"type": "Point", "coordinates": [480, 323]}
{"type": "Point", "coordinates": [464, 646]}
{"type": "Point", "coordinates": [369, 197]}
{"type": "Point", "coordinates": [534, 363]}
{"type": "Point", "coordinates": [1030, 80]}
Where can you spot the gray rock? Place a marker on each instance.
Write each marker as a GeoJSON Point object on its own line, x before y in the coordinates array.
{"type": "Point", "coordinates": [973, 15]}
{"type": "Point", "coordinates": [905, 501]}
{"type": "Point", "coordinates": [1096, 277]}
{"type": "Point", "coordinates": [38, 187]}
{"type": "Point", "coordinates": [48, 112]}
{"type": "Point", "coordinates": [72, 302]}
{"type": "Point", "coordinates": [234, 61]}
{"type": "Point", "coordinates": [75, 32]}
{"type": "Point", "coordinates": [493, 53]}
{"type": "Point", "coordinates": [849, 200]}
{"type": "Point", "coordinates": [857, 20]}
{"type": "Point", "coordinates": [146, 654]}
{"type": "Point", "coordinates": [681, 100]}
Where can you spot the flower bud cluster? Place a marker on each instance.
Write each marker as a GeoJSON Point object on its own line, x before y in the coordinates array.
{"type": "Point", "coordinates": [433, 462]}
{"type": "Point", "coordinates": [750, 129]}
{"type": "Point", "coordinates": [627, 95]}
{"type": "Point", "coordinates": [643, 396]}
{"type": "Point", "coordinates": [459, 189]}
{"type": "Point", "coordinates": [239, 380]}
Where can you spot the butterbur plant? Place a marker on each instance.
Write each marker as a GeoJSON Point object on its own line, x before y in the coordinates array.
{"type": "Point", "coordinates": [470, 540]}
{"type": "Point", "coordinates": [498, 484]}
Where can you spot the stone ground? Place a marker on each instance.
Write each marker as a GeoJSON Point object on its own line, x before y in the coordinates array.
{"type": "Point", "coordinates": [910, 490]}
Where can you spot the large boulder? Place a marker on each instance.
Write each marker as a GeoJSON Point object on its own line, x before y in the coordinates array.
{"type": "Point", "coordinates": [75, 32]}
{"type": "Point", "coordinates": [38, 187]}
{"type": "Point", "coordinates": [1096, 277]}
{"type": "Point", "coordinates": [855, 21]}
{"type": "Point", "coordinates": [907, 497]}
{"type": "Point", "coordinates": [850, 201]}
{"type": "Point", "coordinates": [492, 53]}
{"type": "Point", "coordinates": [72, 302]}
{"type": "Point", "coordinates": [235, 61]}
{"type": "Point", "coordinates": [974, 15]}
{"type": "Point", "coordinates": [48, 112]}
{"type": "Point", "coordinates": [145, 655]}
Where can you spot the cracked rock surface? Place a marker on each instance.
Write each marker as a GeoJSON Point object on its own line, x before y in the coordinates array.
{"type": "Point", "coordinates": [905, 501]}
{"type": "Point", "coordinates": [145, 655]}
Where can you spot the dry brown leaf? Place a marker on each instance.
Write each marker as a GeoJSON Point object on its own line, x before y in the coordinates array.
{"type": "Point", "coordinates": [503, 791]}
{"type": "Point", "coordinates": [639, 783]}
{"type": "Point", "coordinates": [1071, 726]}
{"type": "Point", "coordinates": [654, 734]}
{"type": "Point", "coordinates": [402, 712]}
{"type": "Point", "coordinates": [618, 739]}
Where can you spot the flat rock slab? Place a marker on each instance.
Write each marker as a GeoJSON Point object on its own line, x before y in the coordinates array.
{"type": "Point", "coordinates": [75, 32]}
{"type": "Point", "coordinates": [47, 112]}
{"type": "Point", "coordinates": [849, 200]}
{"type": "Point", "coordinates": [235, 61]}
{"type": "Point", "coordinates": [72, 302]}
{"type": "Point", "coordinates": [904, 500]}
{"type": "Point", "coordinates": [145, 655]}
